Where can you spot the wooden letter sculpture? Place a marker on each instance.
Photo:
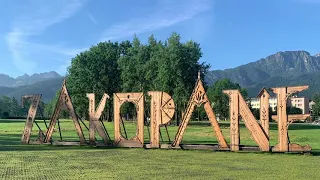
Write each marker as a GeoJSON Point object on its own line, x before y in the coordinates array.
{"type": "Point", "coordinates": [198, 98]}
{"type": "Point", "coordinates": [35, 100]}
{"type": "Point", "coordinates": [138, 101]}
{"type": "Point", "coordinates": [95, 123]}
{"type": "Point", "coordinates": [283, 93]}
{"type": "Point", "coordinates": [162, 110]}
{"type": "Point", "coordinates": [64, 103]}
{"type": "Point", "coordinates": [238, 106]}
{"type": "Point", "coordinates": [264, 110]}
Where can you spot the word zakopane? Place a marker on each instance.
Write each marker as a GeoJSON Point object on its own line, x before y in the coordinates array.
{"type": "Point", "coordinates": [162, 111]}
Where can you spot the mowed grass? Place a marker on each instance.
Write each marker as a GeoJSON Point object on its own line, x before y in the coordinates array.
{"type": "Point", "coordinates": [83, 162]}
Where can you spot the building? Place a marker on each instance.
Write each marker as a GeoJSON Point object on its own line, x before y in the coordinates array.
{"type": "Point", "coordinates": [298, 102]}
{"type": "Point", "coordinates": [255, 103]}
{"type": "Point", "coordinates": [301, 103]}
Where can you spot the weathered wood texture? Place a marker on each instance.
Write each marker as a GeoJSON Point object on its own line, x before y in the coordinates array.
{"type": "Point", "coordinates": [238, 106]}
{"type": "Point", "coordinates": [264, 110]}
{"type": "Point", "coordinates": [234, 120]}
{"type": "Point", "coordinates": [283, 120]}
{"type": "Point", "coordinates": [293, 117]}
{"type": "Point", "coordinates": [198, 98]}
{"type": "Point", "coordinates": [64, 103]}
{"type": "Point", "coordinates": [162, 111]}
{"type": "Point", "coordinates": [138, 100]}
{"type": "Point", "coordinates": [35, 100]}
{"type": "Point", "coordinates": [94, 115]}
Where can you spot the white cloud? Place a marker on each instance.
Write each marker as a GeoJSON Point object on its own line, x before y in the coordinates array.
{"type": "Point", "coordinates": [92, 18]}
{"type": "Point", "coordinates": [168, 13]}
{"type": "Point", "coordinates": [35, 17]}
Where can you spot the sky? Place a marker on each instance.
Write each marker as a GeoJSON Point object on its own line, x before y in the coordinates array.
{"type": "Point", "coordinates": [41, 35]}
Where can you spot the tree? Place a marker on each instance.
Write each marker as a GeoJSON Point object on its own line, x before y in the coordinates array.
{"type": "Point", "coordinates": [293, 110]}
{"type": "Point", "coordinates": [178, 66]}
{"type": "Point", "coordinates": [170, 66]}
{"type": "Point", "coordinates": [219, 100]}
{"type": "Point", "coordinates": [316, 106]}
{"type": "Point", "coordinates": [132, 67]}
{"type": "Point", "coordinates": [95, 71]}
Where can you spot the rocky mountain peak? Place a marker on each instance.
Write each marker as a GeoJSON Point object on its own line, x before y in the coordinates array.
{"type": "Point", "coordinates": [25, 76]}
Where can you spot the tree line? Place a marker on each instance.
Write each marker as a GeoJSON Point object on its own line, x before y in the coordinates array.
{"type": "Point", "coordinates": [11, 108]}
{"type": "Point", "coordinates": [132, 66]}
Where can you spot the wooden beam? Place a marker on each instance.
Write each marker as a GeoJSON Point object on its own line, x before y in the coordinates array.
{"type": "Point", "coordinates": [234, 119]}
{"type": "Point", "coordinates": [35, 100]}
{"type": "Point", "coordinates": [293, 117]}
{"type": "Point", "coordinates": [264, 111]}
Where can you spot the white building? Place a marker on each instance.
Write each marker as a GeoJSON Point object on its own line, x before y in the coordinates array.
{"type": "Point", "coordinates": [298, 102]}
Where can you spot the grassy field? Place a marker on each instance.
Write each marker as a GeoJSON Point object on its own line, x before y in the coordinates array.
{"type": "Point", "coordinates": [56, 162]}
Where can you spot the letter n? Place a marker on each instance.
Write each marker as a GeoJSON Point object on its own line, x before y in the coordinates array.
{"type": "Point", "coordinates": [238, 106]}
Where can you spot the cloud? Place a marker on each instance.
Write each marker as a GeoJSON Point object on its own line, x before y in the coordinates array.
{"type": "Point", "coordinates": [168, 13]}
{"type": "Point", "coordinates": [92, 18]}
{"type": "Point", "coordinates": [35, 17]}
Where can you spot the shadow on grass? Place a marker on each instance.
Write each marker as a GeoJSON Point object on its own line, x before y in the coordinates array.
{"type": "Point", "coordinates": [49, 147]}
{"type": "Point", "coordinates": [12, 121]}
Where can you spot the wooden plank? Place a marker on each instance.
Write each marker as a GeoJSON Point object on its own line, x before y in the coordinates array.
{"type": "Point", "coordinates": [129, 143]}
{"type": "Point", "coordinates": [38, 143]}
{"type": "Point", "coordinates": [67, 143]}
{"type": "Point", "coordinates": [234, 119]}
{"type": "Point", "coordinates": [249, 148]}
{"type": "Point", "coordinates": [252, 125]}
{"type": "Point", "coordinates": [298, 148]}
{"type": "Point", "coordinates": [264, 111]}
{"type": "Point", "coordinates": [282, 119]}
{"type": "Point", "coordinates": [64, 102]}
{"type": "Point", "coordinates": [155, 119]}
{"type": "Point", "coordinates": [293, 117]}
{"type": "Point", "coordinates": [94, 115]}
{"type": "Point", "coordinates": [200, 147]}
{"type": "Point", "coordinates": [162, 111]}
{"type": "Point", "coordinates": [35, 100]}
{"type": "Point", "coordinates": [138, 100]}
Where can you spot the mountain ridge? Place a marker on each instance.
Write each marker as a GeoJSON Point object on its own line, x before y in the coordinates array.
{"type": "Point", "coordinates": [281, 68]}
{"type": "Point", "coordinates": [7, 81]}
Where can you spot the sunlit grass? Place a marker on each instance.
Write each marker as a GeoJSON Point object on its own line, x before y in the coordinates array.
{"type": "Point", "coordinates": [75, 162]}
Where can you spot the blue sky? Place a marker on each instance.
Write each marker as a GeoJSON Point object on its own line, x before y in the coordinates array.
{"type": "Point", "coordinates": [43, 35]}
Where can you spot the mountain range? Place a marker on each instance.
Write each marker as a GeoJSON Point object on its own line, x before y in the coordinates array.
{"type": "Point", "coordinates": [289, 68]}
{"type": "Point", "coordinates": [44, 83]}
{"type": "Point", "coordinates": [7, 81]}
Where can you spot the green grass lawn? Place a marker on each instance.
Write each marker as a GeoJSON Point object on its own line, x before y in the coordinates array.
{"type": "Point", "coordinates": [73, 162]}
